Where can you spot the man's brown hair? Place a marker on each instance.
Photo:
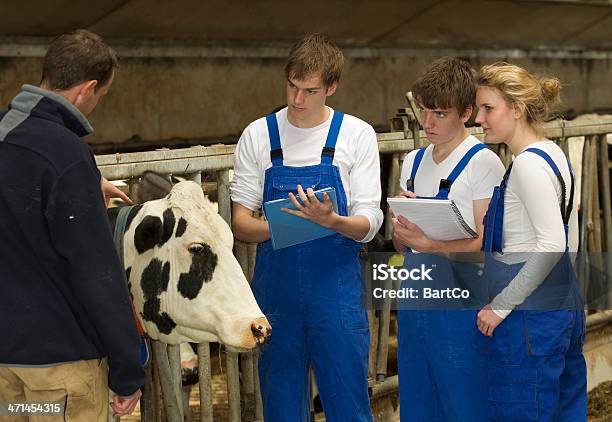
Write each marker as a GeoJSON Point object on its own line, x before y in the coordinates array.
{"type": "Point", "coordinates": [76, 57]}
{"type": "Point", "coordinates": [312, 55]}
{"type": "Point", "coordinates": [448, 82]}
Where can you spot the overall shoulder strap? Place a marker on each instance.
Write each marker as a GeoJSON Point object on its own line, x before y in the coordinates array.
{"type": "Point", "coordinates": [565, 211]}
{"type": "Point", "coordinates": [415, 167]}
{"type": "Point", "coordinates": [276, 151]}
{"type": "Point", "coordinates": [445, 184]}
{"type": "Point", "coordinates": [327, 155]}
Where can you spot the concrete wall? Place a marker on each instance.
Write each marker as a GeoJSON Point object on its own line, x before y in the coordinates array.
{"type": "Point", "coordinates": [161, 99]}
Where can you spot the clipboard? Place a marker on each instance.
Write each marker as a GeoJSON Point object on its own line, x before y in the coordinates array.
{"type": "Point", "coordinates": [289, 230]}
{"type": "Point", "coordinates": [440, 219]}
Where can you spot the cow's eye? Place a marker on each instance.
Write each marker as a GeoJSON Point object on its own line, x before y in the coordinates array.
{"type": "Point", "coordinates": [196, 248]}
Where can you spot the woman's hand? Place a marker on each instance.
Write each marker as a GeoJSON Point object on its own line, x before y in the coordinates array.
{"type": "Point", "coordinates": [487, 321]}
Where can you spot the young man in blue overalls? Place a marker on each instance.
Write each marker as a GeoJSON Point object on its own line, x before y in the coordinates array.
{"type": "Point", "coordinates": [312, 292]}
{"type": "Point", "coordinates": [440, 371]}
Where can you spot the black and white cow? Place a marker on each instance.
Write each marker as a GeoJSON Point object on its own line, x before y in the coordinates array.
{"type": "Point", "coordinates": [186, 284]}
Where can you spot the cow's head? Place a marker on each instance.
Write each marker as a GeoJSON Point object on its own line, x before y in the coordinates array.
{"type": "Point", "coordinates": [186, 283]}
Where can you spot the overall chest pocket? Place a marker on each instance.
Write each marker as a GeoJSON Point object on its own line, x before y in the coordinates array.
{"type": "Point", "coordinates": [283, 185]}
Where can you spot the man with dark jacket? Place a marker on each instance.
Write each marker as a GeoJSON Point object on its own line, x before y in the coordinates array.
{"type": "Point", "coordinates": [68, 331]}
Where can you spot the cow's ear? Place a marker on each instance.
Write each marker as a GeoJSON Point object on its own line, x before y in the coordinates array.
{"type": "Point", "coordinates": [148, 233]}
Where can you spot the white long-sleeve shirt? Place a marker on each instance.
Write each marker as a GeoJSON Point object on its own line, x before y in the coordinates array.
{"type": "Point", "coordinates": [477, 181]}
{"type": "Point", "coordinates": [533, 226]}
{"type": "Point", "coordinates": [356, 156]}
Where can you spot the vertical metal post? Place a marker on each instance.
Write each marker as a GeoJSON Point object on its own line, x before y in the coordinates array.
{"type": "Point", "coordinates": [248, 387]}
{"type": "Point", "coordinates": [147, 406]}
{"type": "Point", "coordinates": [596, 277]}
{"type": "Point", "coordinates": [174, 359]}
{"type": "Point", "coordinates": [233, 386]}
{"type": "Point", "coordinates": [195, 177]}
{"type": "Point", "coordinates": [383, 336]}
{"type": "Point", "coordinates": [583, 269]}
{"type": "Point", "coordinates": [251, 254]}
{"type": "Point", "coordinates": [392, 190]}
{"type": "Point", "coordinates": [160, 406]}
{"type": "Point", "coordinates": [374, 328]}
{"type": "Point", "coordinates": [595, 197]}
{"type": "Point", "coordinates": [233, 379]}
{"type": "Point", "coordinates": [205, 383]}
{"type": "Point", "coordinates": [223, 186]}
{"type": "Point", "coordinates": [258, 400]}
{"type": "Point", "coordinates": [604, 169]}
{"type": "Point", "coordinates": [246, 359]}
{"type": "Point", "coordinates": [241, 252]}
{"type": "Point", "coordinates": [173, 412]}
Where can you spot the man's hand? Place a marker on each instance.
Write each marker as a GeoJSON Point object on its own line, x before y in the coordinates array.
{"type": "Point", "coordinates": [409, 234]}
{"type": "Point", "coordinates": [312, 209]}
{"type": "Point", "coordinates": [111, 191]}
{"type": "Point", "coordinates": [125, 406]}
{"type": "Point", "coordinates": [487, 321]}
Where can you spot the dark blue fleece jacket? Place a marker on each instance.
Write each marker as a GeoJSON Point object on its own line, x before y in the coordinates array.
{"type": "Point", "coordinates": [62, 293]}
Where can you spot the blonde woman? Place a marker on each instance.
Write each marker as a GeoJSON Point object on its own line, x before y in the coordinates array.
{"type": "Point", "coordinates": [533, 329]}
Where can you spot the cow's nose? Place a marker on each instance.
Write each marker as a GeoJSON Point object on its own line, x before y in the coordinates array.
{"type": "Point", "coordinates": [261, 330]}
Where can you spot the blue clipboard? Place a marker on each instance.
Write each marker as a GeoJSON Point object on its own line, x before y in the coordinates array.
{"type": "Point", "coordinates": [288, 230]}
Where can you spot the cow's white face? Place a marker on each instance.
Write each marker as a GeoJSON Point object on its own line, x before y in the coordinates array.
{"type": "Point", "coordinates": [185, 280]}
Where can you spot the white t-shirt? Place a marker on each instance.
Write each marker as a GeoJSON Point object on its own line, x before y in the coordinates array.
{"type": "Point", "coordinates": [483, 172]}
{"type": "Point", "coordinates": [533, 222]}
{"type": "Point", "coordinates": [356, 156]}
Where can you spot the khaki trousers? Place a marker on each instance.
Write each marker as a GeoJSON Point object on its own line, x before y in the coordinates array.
{"type": "Point", "coordinates": [81, 387]}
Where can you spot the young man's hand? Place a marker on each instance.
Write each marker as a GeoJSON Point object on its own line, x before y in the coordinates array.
{"type": "Point", "coordinates": [311, 208]}
{"type": "Point", "coordinates": [406, 233]}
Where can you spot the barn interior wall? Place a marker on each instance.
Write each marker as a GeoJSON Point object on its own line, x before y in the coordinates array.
{"type": "Point", "coordinates": [161, 99]}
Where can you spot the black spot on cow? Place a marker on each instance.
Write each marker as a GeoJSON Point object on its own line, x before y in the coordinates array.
{"type": "Point", "coordinates": [152, 231]}
{"type": "Point", "coordinates": [154, 281]}
{"type": "Point", "coordinates": [169, 222]}
{"type": "Point", "coordinates": [181, 228]}
{"type": "Point", "coordinates": [162, 321]}
{"type": "Point", "coordinates": [202, 267]}
{"type": "Point", "coordinates": [148, 233]}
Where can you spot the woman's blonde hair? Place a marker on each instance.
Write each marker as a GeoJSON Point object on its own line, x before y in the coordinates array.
{"type": "Point", "coordinates": [538, 94]}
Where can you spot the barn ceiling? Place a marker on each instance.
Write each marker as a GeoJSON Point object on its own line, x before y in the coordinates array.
{"type": "Point", "coordinates": [524, 24]}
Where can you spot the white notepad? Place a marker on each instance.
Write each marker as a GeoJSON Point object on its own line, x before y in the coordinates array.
{"type": "Point", "coordinates": [440, 219]}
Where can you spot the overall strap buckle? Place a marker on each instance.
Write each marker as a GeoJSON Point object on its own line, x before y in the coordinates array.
{"type": "Point", "coordinates": [276, 151]}
{"type": "Point", "coordinates": [445, 184]}
{"type": "Point", "coordinates": [327, 155]}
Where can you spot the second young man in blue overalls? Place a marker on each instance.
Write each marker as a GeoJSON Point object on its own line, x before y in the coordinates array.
{"type": "Point", "coordinates": [312, 293]}
{"type": "Point", "coordinates": [441, 374]}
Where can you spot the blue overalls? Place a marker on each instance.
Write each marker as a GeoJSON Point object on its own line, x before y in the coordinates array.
{"type": "Point", "coordinates": [441, 373]}
{"type": "Point", "coordinates": [535, 366]}
{"type": "Point", "coordinates": [312, 294]}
